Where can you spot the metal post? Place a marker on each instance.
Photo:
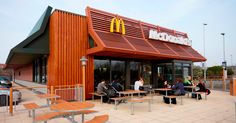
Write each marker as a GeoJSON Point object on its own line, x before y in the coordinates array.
{"type": "Point", "coordinates": [52, 92]}
{"type": "Point", "coordinates": [204, 67]}
{"type": "Point", "coordinates": [11, 101]}
{"type": "Point", "coordinates": [235, 110]}
{"type": "Point", "coordinates": [231, 58]}
{"type": "Point", "coordinates": [149, 105]}
{"type": "Point", "coordinates": [224, 67]}
{"type": "Point", "coordinates": [223, 34]}
{"type": "Point", "coordinates": [83, 61]}
{"type": "Point", "coordinates": [132, 108]}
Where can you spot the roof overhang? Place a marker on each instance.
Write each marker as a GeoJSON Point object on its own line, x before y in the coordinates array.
{"type": "Point", "coordinates": [34, 46]}
{"type": "Point", "coordinates": [135, 43]}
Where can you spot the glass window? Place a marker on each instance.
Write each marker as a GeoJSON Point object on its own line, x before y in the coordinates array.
{"type": "Point", "coordinates": [101, 71]}
{"type": "Point", "coordinates": [118, 71]}
{"type": "Point", "coordinates": [91, 42]}
{"type": "Point", "coordinates": [168, 73]}
{"type": "Point", "coordinates": [164, 72]}
{"type": "Point", "coordinates": [134, 71]}
{"type": "Point", "coordinates": [178, 72]}
{"type": "Point", "coordinates": [146, 73]}
{"type": "Point", "coordinates": [186, 65]}
{"type": "Point", "coordinates": [187, 71]}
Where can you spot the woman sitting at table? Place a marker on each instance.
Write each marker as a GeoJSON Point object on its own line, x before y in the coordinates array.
{"type": "Point", "coordinates": [178, 87]}
{"type": "Point", "coordinates": [202, 88]}
{"type": "Point", "coordinates": [139, 84]}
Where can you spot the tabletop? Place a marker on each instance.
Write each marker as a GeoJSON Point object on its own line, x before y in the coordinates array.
{"type": "Point", "coordinates": [189, 86]}
{"type": "Point", "coordinates": [131, 92]}
{"type": "Point", "coordinates": [72, 106]}
{"type": "Point", "coordinates": [162, 89]}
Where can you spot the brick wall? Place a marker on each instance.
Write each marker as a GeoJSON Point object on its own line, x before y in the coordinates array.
{"type": "Point", "coordinates": [24, 73]}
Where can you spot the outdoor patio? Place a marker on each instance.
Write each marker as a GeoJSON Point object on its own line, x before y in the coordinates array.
{"type": "Point", "coordinates": [218, 108]}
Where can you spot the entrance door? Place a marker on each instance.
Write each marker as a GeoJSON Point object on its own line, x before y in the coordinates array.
{"type": "Point", "coordinates": [164, 72]}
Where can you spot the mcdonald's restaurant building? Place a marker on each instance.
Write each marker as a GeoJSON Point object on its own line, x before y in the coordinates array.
{"type": "Point", "coordinates": [116, 48]}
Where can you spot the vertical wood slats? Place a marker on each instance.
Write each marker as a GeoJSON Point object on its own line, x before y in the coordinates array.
{"type": "Point", "coordinates": [68, 43]}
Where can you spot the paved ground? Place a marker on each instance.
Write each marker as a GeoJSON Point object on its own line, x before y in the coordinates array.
{"type": "Point", "coordinates": [218, 108]}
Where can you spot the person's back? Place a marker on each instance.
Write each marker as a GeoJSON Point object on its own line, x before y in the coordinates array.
{"type": "Point", "coordinates": [179, 88]}
{"type": "Point", "coordinates": [117, 86]}
{"type": "Point", "coordinates": [101, 87]}
{"type": "Point", "coordinates": [201, 86]}
{"type": "Point", "coordinates": [138, 84]}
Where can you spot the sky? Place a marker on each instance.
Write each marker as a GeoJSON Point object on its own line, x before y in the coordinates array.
{"type": "Point", "coordinates": [17, 18]}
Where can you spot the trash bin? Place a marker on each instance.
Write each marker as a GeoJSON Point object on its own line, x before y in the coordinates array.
{"type": "Point", "coordinates": [4, 100]}
{"type": "Point", "coordinates": [232, 87]}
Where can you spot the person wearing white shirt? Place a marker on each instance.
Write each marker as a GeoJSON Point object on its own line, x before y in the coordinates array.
{"type": "Point", "coordinates": [138, 83]}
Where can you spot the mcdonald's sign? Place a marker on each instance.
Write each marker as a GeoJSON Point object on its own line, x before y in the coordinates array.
{"type": "Point", "coordinates": [118, 22]}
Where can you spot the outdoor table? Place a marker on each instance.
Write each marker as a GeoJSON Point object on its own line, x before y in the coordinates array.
{"type": "Point", "coordinates": [128, 92]}
{"type": "Point", "coordinates": [48, 97]}
{"type": "Point", "coordinates": [72, 107]}
{"type": "Point", "coordinates": [163, 89]}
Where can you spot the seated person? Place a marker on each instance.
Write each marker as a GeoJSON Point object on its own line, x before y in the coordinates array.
{"type": "Point", "coordinates": [178, 87]}
{"type": "Point", "coordinates": [115, 84]}
{"type": "Point", "coordinates": [202, 88]}
{"type": "Point", "coordinates": [139, 84]}
{"type": "Point", "coordinates": [187, 81]}
{"type": "Point", "coordinates": [166, 85]}
{"type": "Point", "coordinates": [102, 86]}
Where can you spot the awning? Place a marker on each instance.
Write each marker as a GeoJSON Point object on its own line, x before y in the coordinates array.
{"type": "Point", "coordinates": [34, 46]}
{"type": "Point", "coordinates": [135, 43]}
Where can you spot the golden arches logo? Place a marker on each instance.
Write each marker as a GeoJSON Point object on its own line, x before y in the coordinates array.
{"type": "Point", "coordinates": [118, 22]}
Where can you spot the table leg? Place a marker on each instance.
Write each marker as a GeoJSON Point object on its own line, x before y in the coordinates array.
{"type": "Point", "coordinates": [33, 115]}
{"type": "Point", "coordinates": [132, 108]}
{"type": "Point", "coordinates": [166, 92]}
{"type": "Point", "coordinates": [101, 99]}
{"type": "Point", "coordinates": [29, 113]}
{"type": "Point", "coordinates": [115, 105]}
{"type": "Point", "coordinates": [149, 105]}
{"type": "Point", "coordinates": [48, 102]}
{"type": "Point", "coordinates": [197, 96]}
{"type": "Point", "coordinates": [205, 96]}
{"type": "Point", "coordinates": [82, 117]}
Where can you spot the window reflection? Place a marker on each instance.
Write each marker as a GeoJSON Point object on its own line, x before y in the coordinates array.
{"type": "Point", "coordinates": [101, 71]}
{"type": "Point", "coordinates": [134, 72]}
{"type": "Point", "coordinates": [118, 71]}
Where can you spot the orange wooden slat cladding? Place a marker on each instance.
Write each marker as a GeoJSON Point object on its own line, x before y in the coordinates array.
{"type": "Point", "coordinates": [68, 43]}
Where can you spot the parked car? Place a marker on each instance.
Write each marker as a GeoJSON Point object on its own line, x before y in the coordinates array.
{"type": "Point", "coordinates": [5, 86]}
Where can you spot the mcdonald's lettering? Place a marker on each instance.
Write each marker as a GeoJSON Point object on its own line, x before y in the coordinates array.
{"type": "Point", "coordinates": [153, 34]}
{"type": "Point", "coordinates": [118, 22]}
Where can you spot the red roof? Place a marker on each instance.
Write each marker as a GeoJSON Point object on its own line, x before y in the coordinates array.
{"type": "Point", "coordinates": [135, 43]}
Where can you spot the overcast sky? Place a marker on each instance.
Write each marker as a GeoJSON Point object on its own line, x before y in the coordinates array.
{"type": "Point", "coordinates": [17, 18]}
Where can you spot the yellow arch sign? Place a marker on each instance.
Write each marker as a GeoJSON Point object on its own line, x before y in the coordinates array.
{"type": "Point", "coordinates": [117, 23]}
